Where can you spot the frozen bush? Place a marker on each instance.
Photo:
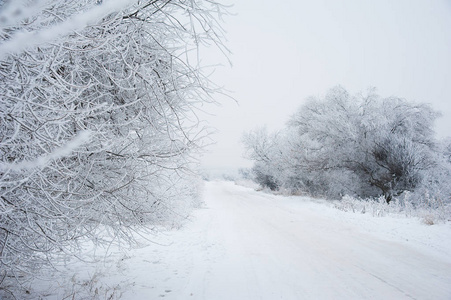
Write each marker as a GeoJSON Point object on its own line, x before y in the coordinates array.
{"type": "Point", "coordinates": [98, 124]}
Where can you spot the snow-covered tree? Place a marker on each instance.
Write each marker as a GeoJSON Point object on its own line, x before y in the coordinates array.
{"type": "Point", "coordinates": [387, 143]}
{"type": "Point", "coordinates": [98, 123]}
{"type": "Point", "coordinates": [265, 150]}
{"type": "Point", "coordinates": [361, 145]}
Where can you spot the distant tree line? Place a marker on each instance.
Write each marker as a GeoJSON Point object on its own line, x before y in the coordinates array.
{"type": "Point", "coordinates": [360, 145]}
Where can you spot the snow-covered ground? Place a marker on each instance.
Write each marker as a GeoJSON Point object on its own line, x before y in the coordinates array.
{"type": "Point", "coordinates": [250, 245]}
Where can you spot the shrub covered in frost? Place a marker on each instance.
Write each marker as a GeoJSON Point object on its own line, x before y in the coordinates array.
{"type": "Point", "coordinates": [98, 123]}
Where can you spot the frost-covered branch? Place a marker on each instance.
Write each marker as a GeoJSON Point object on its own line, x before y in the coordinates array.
{"type": "Point", "coordinates": [98, 124]}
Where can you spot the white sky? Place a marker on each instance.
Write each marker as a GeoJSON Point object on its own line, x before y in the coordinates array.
{"type": "Point", "coordinates": [285, 51]}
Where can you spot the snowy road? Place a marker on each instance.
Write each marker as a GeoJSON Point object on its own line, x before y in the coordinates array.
{"type": "Point", "coordinates": [250, 245]}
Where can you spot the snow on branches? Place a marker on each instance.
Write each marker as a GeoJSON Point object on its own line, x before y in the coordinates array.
{"type": "Point", "coordinates": [363, 146]}
{"type": "Point", "coordinates": [98, 123]}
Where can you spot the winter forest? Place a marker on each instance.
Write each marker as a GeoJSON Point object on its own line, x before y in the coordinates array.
{"type": "Point", "coordinates": [101, 137]}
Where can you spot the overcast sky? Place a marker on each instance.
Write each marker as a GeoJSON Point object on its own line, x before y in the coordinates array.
{"type": "Point", "coordinates": [285, 51]}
